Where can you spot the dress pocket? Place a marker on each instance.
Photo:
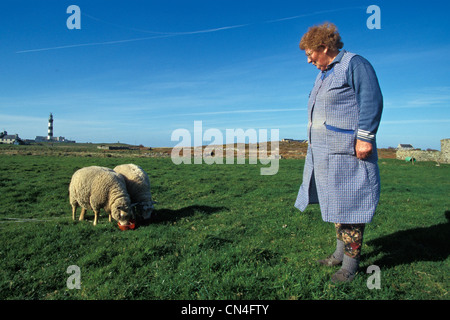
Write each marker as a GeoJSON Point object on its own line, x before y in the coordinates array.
{"type": "Point", "coordinates": [340, 141]}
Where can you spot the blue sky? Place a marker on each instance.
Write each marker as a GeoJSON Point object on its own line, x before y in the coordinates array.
{"type": "Point", "coordinates": [138, 70]}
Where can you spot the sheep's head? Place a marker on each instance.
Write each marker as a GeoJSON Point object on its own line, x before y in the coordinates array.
{"type": "Point", "coordinates": [145, 209]}
{"type": "Point", "coordinates": [121, 213]}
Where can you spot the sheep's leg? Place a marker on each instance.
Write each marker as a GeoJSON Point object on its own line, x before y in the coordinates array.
{"type": "Point", "coordinates": [74, 210]}
{"type": "Point", "coordinates": [83, 211]}
{"type": "Point", "coordinates": [96, 217]}
{"type": "Point", "coordinates": [110, 217]}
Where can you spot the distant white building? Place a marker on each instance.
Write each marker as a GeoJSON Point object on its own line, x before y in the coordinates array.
{"type": "Point", "coordinates": [10, 138]}
{"type": "Point", "coordinates": [53, 139]}
{"type": "Point", "coordinates": [402, 146]}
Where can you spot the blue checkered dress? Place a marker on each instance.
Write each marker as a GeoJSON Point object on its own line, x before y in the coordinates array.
{"type": "Point", "coordinates": [346, 188]}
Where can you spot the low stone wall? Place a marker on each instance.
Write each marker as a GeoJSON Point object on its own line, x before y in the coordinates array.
{"type": "Point", "coordinates": [442, 156]}
{"type": "Point", "coordinates": [419, 155]}
{"type": "Point", "coordinates": [445, 157]}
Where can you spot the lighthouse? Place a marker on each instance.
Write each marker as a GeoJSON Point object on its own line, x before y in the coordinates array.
{"type": "Point", "coordinates": [50, 128]}
{"type": "Point", "coordinates": [50, 136]}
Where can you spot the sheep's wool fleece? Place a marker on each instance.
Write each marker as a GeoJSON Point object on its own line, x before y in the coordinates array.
{"type": "Point", "coordinates": [137, 182]}
{"type": "Point", "coordinates": [97, 187]}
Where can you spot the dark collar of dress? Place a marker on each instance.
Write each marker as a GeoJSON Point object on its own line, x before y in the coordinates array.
{"type": "Point", "coordinates": [338, 58]}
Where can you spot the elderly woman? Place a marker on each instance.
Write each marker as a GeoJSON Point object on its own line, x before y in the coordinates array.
{"type": "Point", "coordinates": [341, 171]}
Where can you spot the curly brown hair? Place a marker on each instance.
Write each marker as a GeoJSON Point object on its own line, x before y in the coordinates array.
{"type": "Point", "coordinates": [322, 35]}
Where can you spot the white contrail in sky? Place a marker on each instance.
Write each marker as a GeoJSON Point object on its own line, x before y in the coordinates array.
{"type": "Point", "coordinates": [93, 44]}
{"type": "Point", "coordinates": [312, 14]}
{"type": "Point", "coordinates": [166, 33]}
{"type": "Point", "coordinates": [161, 35]}
{"type": "Point", "coordinates": [172, 34]}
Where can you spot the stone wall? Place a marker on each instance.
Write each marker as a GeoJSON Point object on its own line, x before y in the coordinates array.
{"type": "Point", "coordinates": [445, 150]}
{"type": "Point", "coordinates": [442, 156]}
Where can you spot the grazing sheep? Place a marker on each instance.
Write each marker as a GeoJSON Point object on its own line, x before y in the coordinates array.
{"type": "Point", "coordinates": [96, 188]}
{"type": "Point", "coordinates": [138, 186]}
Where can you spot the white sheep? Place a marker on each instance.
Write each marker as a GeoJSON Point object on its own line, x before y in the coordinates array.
{"type": "Point", "coordinates": [100, 188]}
{"type": "Point", "coordinates": [138, 186]}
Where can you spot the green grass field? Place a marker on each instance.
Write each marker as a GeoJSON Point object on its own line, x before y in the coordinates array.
{"type": "Point", "coordinates": [219, 232]}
